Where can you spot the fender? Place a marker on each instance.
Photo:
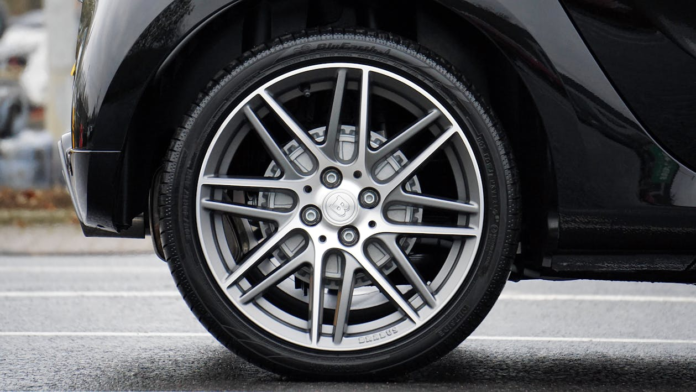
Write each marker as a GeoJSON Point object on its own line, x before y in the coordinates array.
{"type": "Point", "coordinates": [116, 60]}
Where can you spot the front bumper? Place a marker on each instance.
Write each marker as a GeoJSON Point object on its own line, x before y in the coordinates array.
{"type": "Point", "coordinates": [91, 180]}
{"type": "Point", "coordinates": [65, 154]}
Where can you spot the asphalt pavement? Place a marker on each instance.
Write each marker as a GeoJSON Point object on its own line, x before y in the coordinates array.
{"type": "Point", "coordinates": [117, 323]}
{"type": "Point", "coordinates": [63, 239]}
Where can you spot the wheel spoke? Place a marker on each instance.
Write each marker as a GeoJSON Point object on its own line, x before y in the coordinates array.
{"type": "Point", "coordinates": [364, 122]}
{"type": "Point", "coordinates": [279, 274]}
{"type": "Point", "coordinates": [316, 301]}
{"type": "Point", "coordinates": [343, 301]}
{"type": "Point", "coordinates": [295, 128]}
{"type": "Point", "coordinates": [335, 116]}
{"type": "Point", "coordinates": [419, 230]}
{"type": "Point", "coordinates": [387, 289]}
{"type": "Point", "coordinates": [265, 184]}
{"type": "Point", "coordinates": [276, 152]}
{"type": "Point", "coordinates": [257, 255]}
{"type": "Point", "coordinates": [403, 137]}
{"type": "Point", "coordinates": [246, 211]}
{"type": "Point", "coordinates": [399, 196]}
{"type": "Point", "coordinates": [409, 170]}
{"type": "Point", "coordinates": [405, 266]}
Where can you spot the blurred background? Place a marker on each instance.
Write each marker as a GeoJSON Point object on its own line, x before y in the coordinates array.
{"type": "Point", "coordinates": [37, 53]}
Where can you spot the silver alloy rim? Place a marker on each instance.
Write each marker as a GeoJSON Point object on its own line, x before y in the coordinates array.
{"type": "Point", "coordinates": [267, 260]}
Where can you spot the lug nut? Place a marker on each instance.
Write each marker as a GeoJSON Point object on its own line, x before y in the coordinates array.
{"type": "Point", "coordinates": [369, 198]}
{"type": "Point", "coordinates": [348, 236]}
{"type": "Point", "coordinates": [331, 178]}
{"type": "Point", "coordinates": [311, 216]}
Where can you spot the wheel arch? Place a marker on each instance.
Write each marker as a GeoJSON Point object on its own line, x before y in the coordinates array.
{"type": "Point", "coordinates": [449, 34]}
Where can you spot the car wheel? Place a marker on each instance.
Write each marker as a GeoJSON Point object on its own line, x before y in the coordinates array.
{"type": "Point", "coordinates": [339, 203]}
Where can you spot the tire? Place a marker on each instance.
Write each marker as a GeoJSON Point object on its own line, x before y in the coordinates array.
{"type": "Point", "coordinates": [209, 219]}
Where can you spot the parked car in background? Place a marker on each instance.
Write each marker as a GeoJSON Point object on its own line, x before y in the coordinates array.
{"type": "Point", "coordinates": [4, 18]}
{"type": "Point", "coordinates": [24, 50]}
{"type": "Point", "coordinates": [342, 188]}
{"type": "Point", "coordinates": [14, 110]}
{"type": "Point", "coordinates": [26, 155]}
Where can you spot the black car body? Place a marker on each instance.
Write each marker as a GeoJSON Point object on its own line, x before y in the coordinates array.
{"type": "Point", "coordinates": [601, 96]}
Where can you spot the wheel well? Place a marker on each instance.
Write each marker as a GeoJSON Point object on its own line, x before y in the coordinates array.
{"type": "Point", "coordinates": [250, 23]}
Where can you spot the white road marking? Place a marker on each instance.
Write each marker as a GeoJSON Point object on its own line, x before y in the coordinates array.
{"type": "Point", "coordinates": [109, 334]}
{"type": "Point", "coordinates": [581, 340]}
{"type": "Point", "coordinates": [471, 338]}
{"type": "Point", "coordinates": [68, 294]}
{"type": "Point", "coordinates": [503, 297]}
{"type": "Point", "coordinates": [83, 270]}
{"type": "Point", "coordinates": [600, 298]}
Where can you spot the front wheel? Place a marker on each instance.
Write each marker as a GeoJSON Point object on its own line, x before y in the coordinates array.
{"type": "Point", "coordinates": [339, 204]}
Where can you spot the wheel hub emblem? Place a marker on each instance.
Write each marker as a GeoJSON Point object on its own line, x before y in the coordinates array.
{"type": "Point", "coordinates": [340, 208]}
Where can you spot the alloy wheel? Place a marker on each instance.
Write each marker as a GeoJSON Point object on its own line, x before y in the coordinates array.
{"type": "Point", "coordinates": [347, 235]}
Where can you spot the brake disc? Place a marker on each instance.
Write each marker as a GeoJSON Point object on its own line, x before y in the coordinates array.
{"type": "Point", "coordinates": [283, 201]}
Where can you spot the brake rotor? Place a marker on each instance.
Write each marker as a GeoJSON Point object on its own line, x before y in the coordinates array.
{"type": "Point", "coordinates": [283, 201]}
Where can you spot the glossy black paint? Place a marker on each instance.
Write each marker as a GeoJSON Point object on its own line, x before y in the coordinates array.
{"type": "Point", "coordinates": [648, 49]}
{"type": "Point", "coordinates": [91, 192]}
{"type": "Point", "coordinates": [614, 187]}
{"type": "Point", "coordinates": [607, 168]}
{"type": "Point", "coordinates": [116, 61]}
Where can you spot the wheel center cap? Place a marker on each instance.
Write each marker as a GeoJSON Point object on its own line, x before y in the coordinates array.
{"type": "Point", "coordinates": [340, 208]}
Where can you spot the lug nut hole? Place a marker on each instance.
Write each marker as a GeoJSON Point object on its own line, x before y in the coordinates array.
{"type": "Point", "coordinates": [331, 178]}
{"type": "Point", "coordinates": [311, 216]}
{"type": "Point", "coordinates": [348, 236]}
{"type": "Point", "coordinates": [357, 174]}
{"type": "Point", "coordinates": [369, 198]}
{"type": "Point", "coordinates": [308, 189]}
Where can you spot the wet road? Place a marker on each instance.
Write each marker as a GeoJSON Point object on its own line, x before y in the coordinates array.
{"type": "Point", "coordinates": [117, 323]}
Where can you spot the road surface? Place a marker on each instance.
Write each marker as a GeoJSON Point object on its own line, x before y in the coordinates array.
{"type": "Point", "coordinates": [117, 323]}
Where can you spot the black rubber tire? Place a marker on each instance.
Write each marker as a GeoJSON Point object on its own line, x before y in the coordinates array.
{"type": "Point", "coordinates": [196, 283]}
